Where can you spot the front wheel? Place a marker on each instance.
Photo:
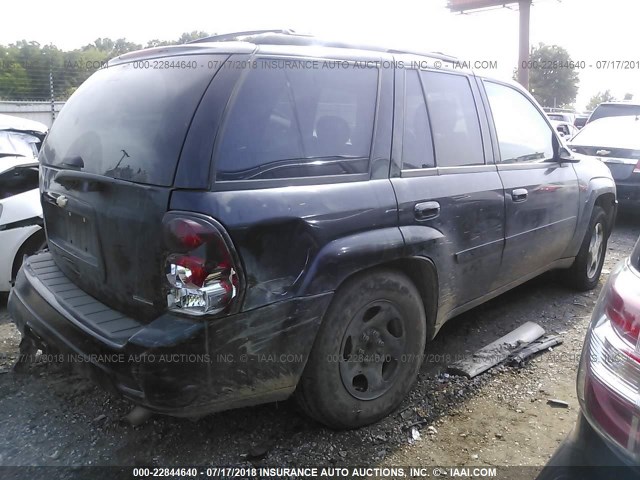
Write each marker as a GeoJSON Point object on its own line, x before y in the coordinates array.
{"type": "Point", "coordinates": [584, 274]}
{"type": "Point", "coordinates": [367, 353]}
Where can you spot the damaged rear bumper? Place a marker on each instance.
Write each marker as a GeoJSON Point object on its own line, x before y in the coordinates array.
{"type": "Point", "coordinates": [173, 365]}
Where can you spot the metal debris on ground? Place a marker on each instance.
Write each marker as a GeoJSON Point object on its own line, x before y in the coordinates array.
{"type": "Point", "coordinates": [557, 403]}
{"type": "Point", "coordinates": [543, 343]}
{"type": "Point", "coordinates": [498, 351]}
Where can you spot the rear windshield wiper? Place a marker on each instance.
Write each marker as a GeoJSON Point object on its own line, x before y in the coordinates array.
{"type": "Point", "coordinates": [7, 154]}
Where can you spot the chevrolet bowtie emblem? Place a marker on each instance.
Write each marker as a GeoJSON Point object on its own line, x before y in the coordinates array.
{"type": "Point", "coordinates": [604, 153]}
{"type": "Point", "coordinates": [62, 201]}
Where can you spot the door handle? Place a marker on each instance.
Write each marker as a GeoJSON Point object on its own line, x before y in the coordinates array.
{"type": "Point", "coordinates": [519, 194]}
{"type": "Point", "coordinates": [426, 210]}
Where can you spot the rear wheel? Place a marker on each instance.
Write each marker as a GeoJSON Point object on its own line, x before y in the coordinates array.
{"type": "Point", "coordinates": [584, 274]}
{"type": "Point", "coordinates": [367, 353]}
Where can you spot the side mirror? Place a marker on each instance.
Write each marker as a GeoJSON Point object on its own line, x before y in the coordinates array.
{"type": "Point", "coordinates": [561, 154]}
{"type": "Point", "coordinates": [564, 156]}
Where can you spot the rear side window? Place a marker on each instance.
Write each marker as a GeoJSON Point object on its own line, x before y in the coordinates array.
{"type": "Point", "coordinates": [454, 119]}
{"type": "Point", "coordinates": [287, 122]}
{"type": "Point", "coordinates": [523, 133]}
{"type": "Point", "coordinates": [129, 121]}
{"type": "Point", "coordinates": [417, 148]}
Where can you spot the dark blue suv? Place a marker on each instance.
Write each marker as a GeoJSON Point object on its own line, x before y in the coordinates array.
{"type": "Point", "coordinates": [251, 216]}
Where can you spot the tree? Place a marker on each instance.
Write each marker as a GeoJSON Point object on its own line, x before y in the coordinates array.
{"type": "Point", "coordinates": [190, 36]}
{"type": "Point", "coordinates": [184, 38]}
{"type": "Point", "coordinates": [552, 80]}
{"type": "Point", "coordinates": [628, 97]}
{"type": "Point", "coordinates": [27, 68]}
{"type": "Point", "coordinates": [599, 98]}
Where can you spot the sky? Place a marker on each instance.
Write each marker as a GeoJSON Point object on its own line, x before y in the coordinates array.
{"type": "Point", "coordinates": [588, 30]}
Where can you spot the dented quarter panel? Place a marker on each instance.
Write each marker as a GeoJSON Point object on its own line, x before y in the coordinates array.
{"type": "Point", "coordinates": [295, 240]}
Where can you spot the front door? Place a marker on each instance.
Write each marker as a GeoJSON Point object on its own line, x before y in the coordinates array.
{"type": "Point", "coordinates": [541, 195]}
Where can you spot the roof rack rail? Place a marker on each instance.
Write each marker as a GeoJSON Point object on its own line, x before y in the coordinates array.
{"type": "Point", "coordinates": [228, 37]}
{"type": "Point", "coordinates": [440, 56]}
{"type": "Point", "coordinates": [290, 37]}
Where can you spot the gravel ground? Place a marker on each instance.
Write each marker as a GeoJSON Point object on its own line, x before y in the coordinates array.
{"type": "Point", "coordinates": [52, 417]}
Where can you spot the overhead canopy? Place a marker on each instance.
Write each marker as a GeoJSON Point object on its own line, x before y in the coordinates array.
{"type": "Point", "coordinates": [461, 5]}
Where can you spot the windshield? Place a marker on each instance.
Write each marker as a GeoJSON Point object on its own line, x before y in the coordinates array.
{"type": "Point", "coordinates": [614, 110]}
{"type": "Point", "coordinates": [18, 144]}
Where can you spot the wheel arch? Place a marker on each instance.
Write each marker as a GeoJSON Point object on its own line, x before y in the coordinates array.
{"type": "Point", "coordinates": [422, 273]}
{"type": "Point", "coordinates": [35, 240]}
{"type": "Point", "coordinates": [607, 201]}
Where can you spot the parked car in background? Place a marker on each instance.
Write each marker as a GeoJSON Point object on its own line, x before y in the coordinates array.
{"type": "Point", "coordinates": [609, 372]}
{"type": "Point", "coordinates": [21, 230]}
{"type": "Point", "coordinates": [616, 142]}
{"type": "Point", "coordinates": [581, 120]}
{"type": "Point", "coordinates": [276, 226]}
{"type": "Point", "coordinates": [614, 109]}
{"type": "Point", "coordinates": [562, 117]}
{"type": "Point", "coordinates": [565, 129]}
{"type": "Point", "coordinates": [607, 431]}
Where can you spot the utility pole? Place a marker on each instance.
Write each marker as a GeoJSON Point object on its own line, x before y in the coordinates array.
{"type": "Point", "coordinates": [53, 101]}
{"type": "Point", "coordinates": [523, 70]}
{"type": "Point", "coordinates": [464, 6]}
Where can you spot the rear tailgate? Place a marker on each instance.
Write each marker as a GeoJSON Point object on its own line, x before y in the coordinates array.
{"type": "Point", "coordinates": [108, 169]}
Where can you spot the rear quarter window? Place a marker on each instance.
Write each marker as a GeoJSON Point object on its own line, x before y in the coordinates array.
{"type": "Point", "coordinates": [129, 121]}
{"type": "Point", "coordinates": [286, 122]}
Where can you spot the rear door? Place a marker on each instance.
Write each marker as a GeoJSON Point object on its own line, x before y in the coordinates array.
{"type": "Point", "coordinates": [108, 170]}
{"type": "Point", "coordinates": [451, 204]}
{"type": "Point", "coordinates": [541, 195]}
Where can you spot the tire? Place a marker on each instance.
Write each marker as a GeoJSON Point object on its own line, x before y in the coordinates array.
{"type": "Point", "coordinates": [368, 351]}
{"type": "Point", "coordinates": [585, 272]}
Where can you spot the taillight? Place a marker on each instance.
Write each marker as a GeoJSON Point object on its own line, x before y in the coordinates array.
{"type": "Point", "coordinates": [622, 307]}
{"type": "Point", "coordinates": [200, 268]}
{"type": "Point", "coordinates": [637, 167]}
{"type": "Point", "coordinates": [609, 374]}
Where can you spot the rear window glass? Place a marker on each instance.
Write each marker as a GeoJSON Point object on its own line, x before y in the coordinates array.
{"type": "Point", "coordinates": [580, 121]}
{"type": "Point", "coordinates": [287, 122]}
{"type": "Point", "coordinates": [129, 121]}
{"type": "Point", "coordinates": [603, 111]}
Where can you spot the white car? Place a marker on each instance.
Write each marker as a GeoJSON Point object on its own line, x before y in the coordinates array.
{"type": "Point", "coordinates": [21, 231]}
{"type": "Point", "coordinates": [565, 129]}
